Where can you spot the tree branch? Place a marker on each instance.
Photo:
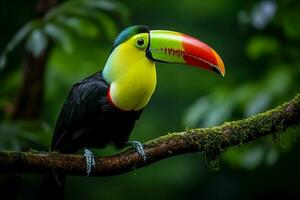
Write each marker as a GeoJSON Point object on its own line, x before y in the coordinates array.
{"type": "Point", "coordinates": [210, 141]}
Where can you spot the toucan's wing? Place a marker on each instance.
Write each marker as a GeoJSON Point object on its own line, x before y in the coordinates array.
{"type": "Point", "coordinates": [86, 100]}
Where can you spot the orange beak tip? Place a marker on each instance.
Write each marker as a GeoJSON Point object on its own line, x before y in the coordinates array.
{"type": "Point", "coordinates": [219, 63]}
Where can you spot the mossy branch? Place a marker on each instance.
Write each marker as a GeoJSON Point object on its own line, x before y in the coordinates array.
{"type": "Point", "coordinates": [210, 141]}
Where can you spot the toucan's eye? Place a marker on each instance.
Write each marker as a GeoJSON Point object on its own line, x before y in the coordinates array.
{"type": "Point", "coordinates": [140, 42]}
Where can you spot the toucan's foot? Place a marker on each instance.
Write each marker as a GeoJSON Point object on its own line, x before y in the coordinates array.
{"type": "Point", "coordinates": [90, 161]}
{"type": "Point", "coordinates": [139, 148]}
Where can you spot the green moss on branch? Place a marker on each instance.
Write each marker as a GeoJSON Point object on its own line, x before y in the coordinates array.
{"type": "Point", "coordinates": [210, 141]}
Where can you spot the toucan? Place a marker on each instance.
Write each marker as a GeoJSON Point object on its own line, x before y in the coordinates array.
{"type": "Point", "coordinates": [103, 108]}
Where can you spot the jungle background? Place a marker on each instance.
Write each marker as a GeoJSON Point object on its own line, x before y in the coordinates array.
{"type": "Point", "coordinates": [48, 45]}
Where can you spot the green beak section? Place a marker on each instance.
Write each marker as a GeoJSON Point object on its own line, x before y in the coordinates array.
{"type": "Point", "coordinates": [174, 47]}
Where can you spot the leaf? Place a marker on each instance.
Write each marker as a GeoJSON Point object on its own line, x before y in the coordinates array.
{"type": "Point", "coordinates": [210, 110]}
{"type": "Point", "coordinates": [259, 46]}
{"type": "Point", "coordinates": [196, 112]}
{"type": "Point", "coordinates": [260, 102]}
{"type": "Point", "coordinates": [244, 92]}
{"type": "Point", "coordinates": [59, 35]}
{"type": "Point", "coordinates": [8, 137]}
{"type": "Point", "coordinates": [3, 59]}
{"type": "Point", "coordinates": [251, 156]}
{"type": "Point", "coordinates": [35, 133]}
{"type": "Point", "coordinates": [75, 10]}
{"type": "Point", "coordinates": [106, 24]}
{"type": "Point", "coordinates": [271, 157]}
{"type": "Point", "coordinates": [115, 8]}
{"type": "Point", "coordinates": [37, 43]}
{"type": "Point", "coordinates": [96, 16]}
{"type": "Point", "coordinates": [219, 112]}
{"type": "Point", "coordinates": [222, 105]}
{"type": "Point", "coordinates": [19, 36]}
{"type": "Point", "coordinates": [16, 39]}
{"type": "Point", "coordinates": [290, 20]}
{"type": "Point", "coordinates": [279, 79]}
{"type": "Point", "coordinates": [263, 13]}
{"type": "Point", "coordinates": [102, 21]}
{"type": "Point", "coordinates": [102, 5]}
{"type": "Point", "coordinates": [81, 26]}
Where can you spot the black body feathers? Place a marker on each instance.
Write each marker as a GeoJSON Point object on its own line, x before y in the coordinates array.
{"type": "Point", "coordinates": [87, 119]}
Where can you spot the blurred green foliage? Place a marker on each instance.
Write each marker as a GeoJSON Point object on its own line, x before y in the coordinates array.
{"type": "Point", "coordinates": [276, 79]}
{"type": "Point", "coordinates": [259, 43]}
{"type": "Point", "coordinates": [86, 19]}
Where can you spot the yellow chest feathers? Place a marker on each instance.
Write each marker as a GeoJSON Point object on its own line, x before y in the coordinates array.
{"type": "Point", "coordinates": [131, 76]}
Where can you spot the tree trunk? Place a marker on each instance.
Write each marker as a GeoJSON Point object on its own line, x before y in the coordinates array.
{"type": "Point", "coordinates": [29, 102]}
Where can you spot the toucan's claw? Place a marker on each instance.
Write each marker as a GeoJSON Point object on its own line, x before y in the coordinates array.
{"type": "Point", "coordinates": [139, 148]}
{"type": "Point", "coordinates": [90, 161]}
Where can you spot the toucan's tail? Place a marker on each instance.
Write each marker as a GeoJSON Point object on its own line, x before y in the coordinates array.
{"type": "Point", "coordinates": [52, 186]}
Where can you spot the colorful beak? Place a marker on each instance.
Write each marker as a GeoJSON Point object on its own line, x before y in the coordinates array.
{"type": "Point", "coordinates": [174, 47]}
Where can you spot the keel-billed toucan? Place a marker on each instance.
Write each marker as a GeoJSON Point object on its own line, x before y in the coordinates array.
{"type": "Point", "coordinates": [104, 107]}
